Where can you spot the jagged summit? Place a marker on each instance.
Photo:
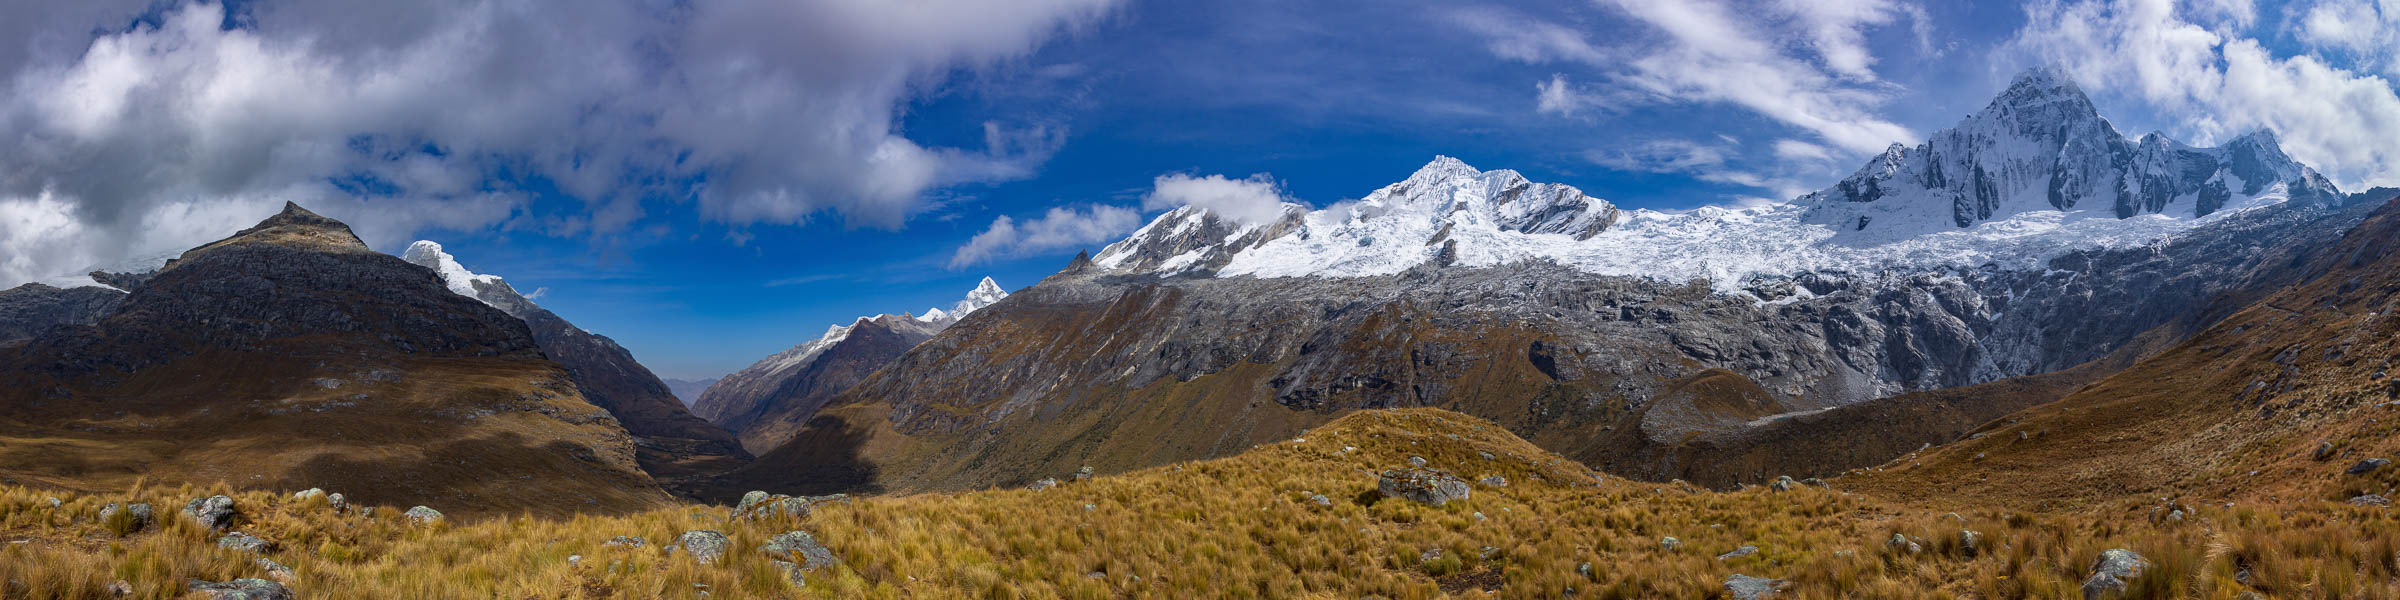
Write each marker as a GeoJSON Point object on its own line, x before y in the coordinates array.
{"type": "Point", "coordinates": [298, 227]}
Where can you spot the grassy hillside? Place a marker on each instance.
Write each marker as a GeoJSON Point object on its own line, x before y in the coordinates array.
{"type": "Point", "coordinates": [1247, 526]}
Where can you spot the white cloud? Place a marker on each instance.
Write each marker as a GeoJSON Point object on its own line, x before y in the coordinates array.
{"type": "Point", "coordinates": [1799, 151]}
{"type": "Point", "coordinates": [1252, 200]}
{"type": "Point", "coordinates": [1661, 156]}
{"type": "Point", "coordinates": [393, 116]}
{"type": "Point", "coordinates": [2210, 86]}
{"type": "Point", "coordinates": [1706, 51]}
{"type": "Point", "coordinates": [1712, 164]}
{"type": "Point", "coordinates": [1060, 228]}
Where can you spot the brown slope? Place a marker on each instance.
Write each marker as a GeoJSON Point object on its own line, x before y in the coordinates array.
{"type": "Point", "coordinates": [675, 446]}
{"type": "Point", "coordinates": [2234, 413]}
{"type": "Point", "coordinates": [291, 356]}
{"type": "Point", "coordinates": [776, 414]}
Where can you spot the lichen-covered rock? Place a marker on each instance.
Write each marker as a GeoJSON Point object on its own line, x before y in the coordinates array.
{"type": "Point", "coordinates": [1669, 543]}
{"type": "Point", "coordinates": [799, 546]}
{"type": "Point", "coordinates": [247, 588]}
{"type": "Point", "coordinates": [305, 495]}
{"type": "Point", "coordinates": [1082, 474]}
{"type": "Point", "coordinates": [1043, 484]}
{"type": "Point", "coordinates": [1970, 542]}
{"type": "Point", "coordinates": [792, 571]}
{"type": "Point", "coordinates": [1900, 544]}
{"type": "Point", "coordinates": [245, 542]}
{"type": "Point", "coordinates": [214, 512]}
{"type": "Point", "coordinates": [624, 541]}
{"type": "Point", "coordinates": [1745, 587]}
{"type": "Point", "coordinates": [705, 546]}
{"type": "Point", "coordinates": [2371, 500]}
{"type": "Point", "coordinates": [1493, 481]}
{"type": "Point", "coordinates": [135, 517]}
{"type": "Point", "coordinates": [1738, 553]}
{"type": "Point", "coordinates": [422, 515]}
{"type": "Point", "coordinates": [761, 505]}
{"type": "Point", "coordinates": [276, 570]}
{"type": "Point", "coordinates": [1783, 484]}
{"type": "Point", "coordinates": [2369, 466]}
{"type": "Point", "coordinates": [1421, 485]}
{"type": "Point", "coordinates": [2110, 574]}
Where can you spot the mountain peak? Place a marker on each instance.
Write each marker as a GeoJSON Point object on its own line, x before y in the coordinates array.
{"type": "Point", "coordinates": [429, 254]}
{"type": "Point", "coordinates": [2040, 87]}
{"type": "Point", "coordinates": [987, 293]}
{"type": "Point", "coordinates": [1444, 167]}
{"type": "Point", "coordinates": [297, 227]}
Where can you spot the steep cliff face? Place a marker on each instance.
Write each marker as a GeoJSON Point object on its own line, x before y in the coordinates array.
{"type": "Point", "coordinates": [292, 356]}
{"type": "Point", "coordinates": [675, 444]}
{"type": "Point", "coordinates": [29, 310]}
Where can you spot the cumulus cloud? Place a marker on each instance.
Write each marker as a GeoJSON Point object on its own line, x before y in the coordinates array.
{"type": "Point", "coordinates": [1253, 200]}
{"type": "Point", "coordinates": [1712, 163]}
{"type": "Point", "coordinates": [1709, 51]}
{"type": "Point", "coordinates": [2210, 85]}
{"type": "Point", "coordinates": [398, 117]}
{"type": "Point", "coordinates": [1661, 156]}
{"type": "Point", "coordinates": [1060, 228]}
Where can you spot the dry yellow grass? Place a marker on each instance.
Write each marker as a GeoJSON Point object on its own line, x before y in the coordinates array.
{"type": "Point", "coordinates": [1243, 527]}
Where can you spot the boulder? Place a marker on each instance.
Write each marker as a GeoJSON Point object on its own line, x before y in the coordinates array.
{"type": "Point", "coordinates": [800, 547]}
{"type": "Point", "coordinates": [2324, 452]}
{"type": "Point", "coordinates": [2371, 500]}
{"type": "Point", "coordinates": [337, 501]}
{"type": "Point", "coordinates": [1783, 484]}
{"type": "Point", "coordinates": [792, 572]}
{"type": "Point", "coordinates": [1900, 544]}
{"type": "Point", "coordinates": [1745, 587]}
{"type": "Point", "coordinates": [1082, 474]}
{"type": "Point", "coordinates": [762, 505]}
{"type": "Point", "coordinates": [245, 542]}
{"type": "Point", "coordinates": [422, 515]}
{"type": "Point", "coordinates": [247, 588]}
{"type": "Point", "coordinates": [1970, 542]}
{"type": "Point", "coordinates": [2368, 466]}
{"type": "Point", "coordinates": [1043, 484]}
{"type": "Point", "coordinates": [1669, 543]}
{"type": "Point", "coordinates": [136, 517]}
{"type": "Point", "coordinates": [705, 546]}
{"type": "Point", "coordinates": [2110, 574]}
{"type": "Point", "coordinates": [214, 512]}
{"type": "Point", "coordinates": [276, 571]}
{"type": "Point", "coordinates": [1493, 481]}
{"type": "Point", "coordinates": [1420, 485]}
{"type": "Point", "coordinates": [305, 495]}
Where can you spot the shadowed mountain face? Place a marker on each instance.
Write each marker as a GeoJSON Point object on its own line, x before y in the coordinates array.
{"type": "Point", "coordinates": [292, 356]}
{"type": "Point", "coordinates": [769, 400]}
{"type": "Point", "coordinates": [31, 309]}
{"type": "Point", "coordinates": [675, 444]}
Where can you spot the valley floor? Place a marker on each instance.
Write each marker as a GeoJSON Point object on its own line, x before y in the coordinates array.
{"type": "Point", "coordinates": [1295, 519]}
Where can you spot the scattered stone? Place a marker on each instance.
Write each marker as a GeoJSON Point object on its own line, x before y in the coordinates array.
{"type": "Point", "coordinates": [574, 559]}
{"type": "Point", "coordinates": [213, 512]}
{"type": "Point", "coordinates": [1416, 461]}
{"type": "Point", "coordinates": [1083, 473]}
{"type": "Point", "coordinates": [1783, 484]}
{"type": "Point", "coordinates": [625, 541]}
{"type": "Point", "coordinates": [1320, 500]}
{"type": "Point", "coordinates": [137, 516]}
{"type": "Point", "coordinates": [2324, 452]}
{"type": "Point", "coordinates": [1970, 542]}
{"type": "Point", "coordinates": [337, 501]}
{"type": "Point", "coordinates": [247, 588]}
{"type": "Point", "coordinates": [2175, 516]}
{"type": "Point", "coordinates": [304, 495]}
{"type": "Point", "coordinates": [276, 571]}
{"type": "Point", "coordinates": [1478, 516]}
{"type": "Point", "coordinates": [54, 501]}
{"type": "Point", "coordinates": [1669, 543]}
{"type": "Point", "coordinates": [1900, 544]}
{"type": "Point", "coordinates": [1430, 487]}
{"type": "Point", "coordinates": [2371, 500]}
{"type": "Point", "coordinates": [422, 515]}
{"type": "Point", "coordinates": [120, 588]}
{"type": "Point", "coordinates": [1486, 552]}
{"type": "Point", "coordinates": [1814, 482]}
{"type": "Point", "coordinates": [762, 505]}
{"type": "Point", "coordinates": [1738, 553]}
{"type": "Point", "coordinates": [1485, 455]}
{"type": "Point", "coordinates": [1430, 555]}
{"type": "Point", "coordinates": [245, 542]}
{"type": "Point", "coordinates": [2368, 466]}
{"type": "Point", "coordinates": [792, 571]}
{"type": "Point", "coordinates": [1494, 481]}
{"type": "Point", "coordinates": [1745, 587]}
{"type": "Point", "coordinates": [1045, 483]}
{"type": "Point", "coordinates": [2110, 574]}
{"type": "Point", "coordinates": [1584, 569]}
{"type": "Point", "coordinates": [704, 545]}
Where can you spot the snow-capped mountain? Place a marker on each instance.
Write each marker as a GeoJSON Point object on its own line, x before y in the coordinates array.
{"type": "Point", "coordinates": [2036, 174]}
{"type": "Point", "coordinates": [769, 398]}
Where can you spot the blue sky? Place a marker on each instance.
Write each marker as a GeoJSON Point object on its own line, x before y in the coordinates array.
{"type": "Point", "coordinates": [710, 183]}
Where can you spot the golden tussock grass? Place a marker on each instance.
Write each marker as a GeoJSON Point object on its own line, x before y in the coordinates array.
{"type": "Point", "coordinates": [1241, 527]}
